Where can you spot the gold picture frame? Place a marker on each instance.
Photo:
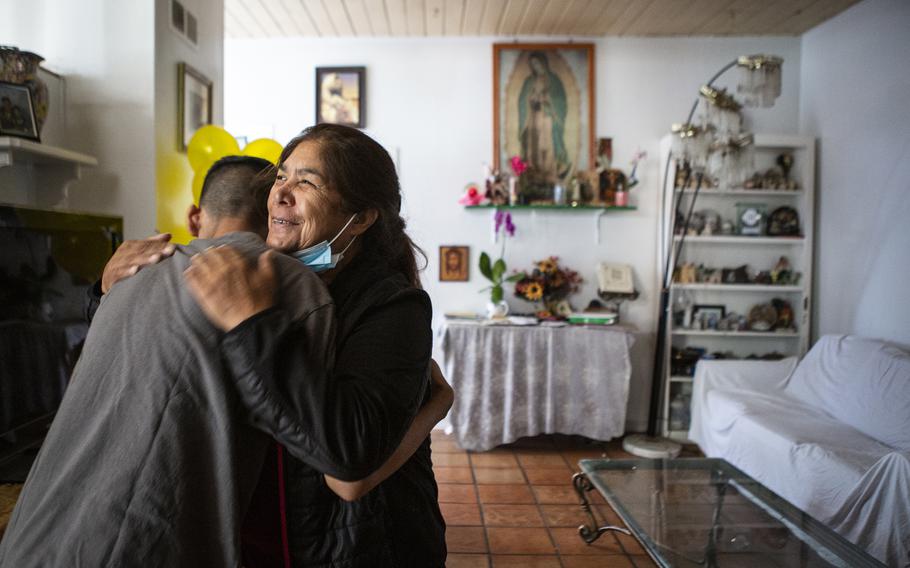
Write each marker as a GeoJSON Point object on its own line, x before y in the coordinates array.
{"type": "Point", "coordinates": [544, 108]}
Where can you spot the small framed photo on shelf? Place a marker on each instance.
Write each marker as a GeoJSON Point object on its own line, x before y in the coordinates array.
{"type": "Point", "coordinates": [17, 114]}
{"type": "Point", "coordinates": [341, 95]}
{"type": "Point", "coordinates": [453, 263]}
{"type": "Point", "coordinates": [707, 316]}
{"type": "Point", "coordinates": [194, 102]}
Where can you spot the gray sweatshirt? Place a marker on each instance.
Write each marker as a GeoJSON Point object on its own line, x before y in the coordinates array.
{"type": "Point", "coordinates": [151, 459]}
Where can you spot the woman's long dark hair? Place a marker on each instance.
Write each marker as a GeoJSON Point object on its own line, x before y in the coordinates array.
{"type": "Point", "coordinates": [363, 173]}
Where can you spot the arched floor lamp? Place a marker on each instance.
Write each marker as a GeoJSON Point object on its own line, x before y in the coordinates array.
{"type": "Point", "coordinates": [702, 147]}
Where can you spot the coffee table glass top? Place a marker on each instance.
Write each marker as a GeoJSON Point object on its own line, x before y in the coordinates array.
{"type": "Point", "coordinates": [705, 512]}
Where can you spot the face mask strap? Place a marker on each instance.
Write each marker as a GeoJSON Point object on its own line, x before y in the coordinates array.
{"type": "Point", "coordinates": [341, 254]}
{"type": "Point", "coordinates": [346, 225]}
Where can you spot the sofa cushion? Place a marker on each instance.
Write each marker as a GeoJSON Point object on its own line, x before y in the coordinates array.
{"type": "Point", "coordinates": [861, 382]}
{"type": "Point", "coordinates": [796, 450]}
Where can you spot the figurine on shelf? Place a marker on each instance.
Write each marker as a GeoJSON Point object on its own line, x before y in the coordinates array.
{"type": "Point", "coordinates": [782, 272]}
{"type": "Point", "coordinates": [738, 275]}
{"type": "Point", "coordinates": [784, 315]}
{"type": "Point", "coordinates": [472, 196]}
{"type": "Point", "coordinates": [610, 180]}
{"type": "Point", "coordinates": [686, 274]}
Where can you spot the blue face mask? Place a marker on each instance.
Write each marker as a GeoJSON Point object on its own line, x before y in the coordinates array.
{"type": "Point", "coordinates": [319, 257]}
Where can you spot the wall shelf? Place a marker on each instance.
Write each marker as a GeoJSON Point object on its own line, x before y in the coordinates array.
{"type": "Point", "coordinates": [739, 288]}
{"type": "Point", "coordinates": [21, 151]}
{"type": "Point", "coordinates": [553, 207]}
{"type": "Point", "coordinates": [38, 175]}
{"type": "Point", "coordinates": [713, 333]}
{"type": "Point", "coordinates": [745, 192]}
{"type": "Point", "coordinates": [598, 211]}
{"type": "Point", "coordinates": [742, 240]}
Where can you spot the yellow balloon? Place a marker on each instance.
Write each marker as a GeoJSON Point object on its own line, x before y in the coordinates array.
{"type": "Point", "coordinates": [198, 179]}
{"type": "Point", "coordinates": [209, 144]}
{"type": "Point", "coordinates": [264, 148]}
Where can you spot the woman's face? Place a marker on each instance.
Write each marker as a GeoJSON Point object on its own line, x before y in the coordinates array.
{"type": "Point", "coordinates": [303, 208]}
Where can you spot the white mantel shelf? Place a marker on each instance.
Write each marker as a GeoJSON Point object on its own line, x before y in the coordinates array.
{"type": "Point", "coordinates": [38, 175]}
{"type": "Point", "coordinates": [21, 151]}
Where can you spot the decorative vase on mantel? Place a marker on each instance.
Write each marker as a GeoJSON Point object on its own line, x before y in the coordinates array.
{"type": "Point", "coordinates": [21, 68]}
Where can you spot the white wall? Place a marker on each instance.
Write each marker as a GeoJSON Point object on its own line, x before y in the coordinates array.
{"type": "Point", "coordinates": [855, 80]}
{"type": "Point", "coordinates": [173, 173]}
{"type": "Point", "coordinates": [119, 62]}
{"type": "Point", "coordinates": [429, 103]}
{"type": "Point", "coordinates": [104, 48]}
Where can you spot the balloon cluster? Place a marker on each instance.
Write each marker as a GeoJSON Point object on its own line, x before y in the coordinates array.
{"type": "Point", "coordinates": [211, 143]}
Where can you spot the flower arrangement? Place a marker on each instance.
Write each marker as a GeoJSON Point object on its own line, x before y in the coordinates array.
{"type": "Point", "coordinates": [495, 272]}
{"type": "Point", "coordinates": [550, 284]}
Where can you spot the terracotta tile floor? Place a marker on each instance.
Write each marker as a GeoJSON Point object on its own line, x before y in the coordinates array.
{"type": "Point", "coordinates": [515, 506]}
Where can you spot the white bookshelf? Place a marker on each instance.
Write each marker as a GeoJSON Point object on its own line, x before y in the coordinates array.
{"type": "Point", "coordinates": [730, 251]}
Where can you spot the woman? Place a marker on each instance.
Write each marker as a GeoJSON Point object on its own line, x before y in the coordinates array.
{"type": "Point", "coordinates": [336, 190]}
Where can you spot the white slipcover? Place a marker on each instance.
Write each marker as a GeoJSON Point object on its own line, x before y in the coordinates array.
{"type": "Point", "coordinates": [831, 435]}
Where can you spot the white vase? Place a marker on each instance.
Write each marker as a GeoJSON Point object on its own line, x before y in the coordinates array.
{"type": "Point", "coordinates": [497, 310]}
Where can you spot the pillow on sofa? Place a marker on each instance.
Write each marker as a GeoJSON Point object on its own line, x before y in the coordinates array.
{"type": "Point", "coordinates": [862, 382]}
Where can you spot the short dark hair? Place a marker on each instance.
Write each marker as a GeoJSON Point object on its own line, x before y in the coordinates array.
{"type": "Point", "coordinates": [233, 187]}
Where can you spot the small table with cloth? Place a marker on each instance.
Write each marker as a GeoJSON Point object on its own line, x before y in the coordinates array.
{"type": "Point", "coordinates": [514, 381]}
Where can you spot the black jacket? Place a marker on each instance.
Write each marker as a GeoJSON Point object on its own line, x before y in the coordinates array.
{"type": "Point", "coordinates": [348, 422]}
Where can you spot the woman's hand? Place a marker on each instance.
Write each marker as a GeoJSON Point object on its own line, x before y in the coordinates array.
{"type": "Point", "coordinates": [228, 287]}
{"type": "Point", "coordinates": [133, 255]}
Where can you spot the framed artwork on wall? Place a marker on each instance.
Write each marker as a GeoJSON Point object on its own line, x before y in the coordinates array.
{"type": "Point", "coordinates": [17, 114]}
{"type": "Point", "coordinates": [543, 108]}
{"type": "Point", "coordinates": [453, 263]}
{"type": "Point", "coordinates": [341, 95]}
{"type": "Point", "coordinates": [194, 102]}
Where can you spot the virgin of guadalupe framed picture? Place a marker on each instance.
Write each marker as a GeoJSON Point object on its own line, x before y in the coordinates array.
{"type": "Point", "coordinates": [543, 109]}
{"type": "Point", "coordinates": [341, 95]}
{"type": "Point", "coordinates": [194, 102]}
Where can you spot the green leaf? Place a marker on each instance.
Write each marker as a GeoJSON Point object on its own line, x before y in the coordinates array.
{"type": "Point", "coordinates": [485, 265]}
{"type": "Point", "coordinates": [496, 294]}
{"type": "Point", "coordinates": [516, 277]}
{"type": "Point", "coordinates": [499, 268]}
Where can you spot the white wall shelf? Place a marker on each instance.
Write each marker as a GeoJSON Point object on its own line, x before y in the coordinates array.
{"type": "Point", "coordinates": [745, 192]}
{"type": "Point", "coordinates": [759, 253]}
{"type": "Point", "coordinates": [744, 334]}
{"type": "Point", "coordinates": [740, 288]}
{"type": "Point", "coordinates": [739, 240]}
{"type": "Point", "coordinates": [21, 151]}
{"type": "Point", "coordinates": [37, 174]}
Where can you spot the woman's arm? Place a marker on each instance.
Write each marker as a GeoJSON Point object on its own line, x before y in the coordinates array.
{"type": "Point", "coordinates": [430, 414]}
{"type": "Point", "coordinates": [344, 421]}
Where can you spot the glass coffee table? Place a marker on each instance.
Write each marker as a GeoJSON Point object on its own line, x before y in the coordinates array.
{"type": "Point", "coordinates": [705, 512]}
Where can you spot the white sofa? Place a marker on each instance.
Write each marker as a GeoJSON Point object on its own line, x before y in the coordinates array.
{"type": "Point", "coordinates": [830, 434]}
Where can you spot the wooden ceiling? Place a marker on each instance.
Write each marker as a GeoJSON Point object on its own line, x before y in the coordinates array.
{"type": "Point", "coordinates": [401, 18]}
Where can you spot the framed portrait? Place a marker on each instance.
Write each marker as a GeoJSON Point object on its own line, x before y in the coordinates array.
{"type": "Point", "coordinates": [341, 95]}
{"type": "Point", "coordinates": [708, 316]}
{"type": "Point", "coordinates": [17, 114]}
{"type": "Point", "coordinates": [194, 102]}
{"type": "Point", "coordinates": [453, 263]}
{"type": "Point", "coordinates": [543, 109]}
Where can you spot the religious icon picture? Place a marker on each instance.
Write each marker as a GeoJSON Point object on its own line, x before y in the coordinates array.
{"type": "Point", "coordinates": [453, 263]}
{"type": "Point", "coordinates": [341, 95]}
{"type": "Point", "coordinates": [543, 110]}
{"type": "Point", "coordinates": [17, 115]}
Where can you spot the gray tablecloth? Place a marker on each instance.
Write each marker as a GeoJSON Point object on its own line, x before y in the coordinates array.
{"type": "Point", "coordinates": [514, 381]}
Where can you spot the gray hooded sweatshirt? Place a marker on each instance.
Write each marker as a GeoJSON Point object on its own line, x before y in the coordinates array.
{"type": "Point", "coordinates": [151, 459]}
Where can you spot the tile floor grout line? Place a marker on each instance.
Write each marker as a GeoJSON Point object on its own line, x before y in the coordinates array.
{"type": "Point", "coordinates": [540, 510]}
{"type": "Point", "coordinates": [483, 522]}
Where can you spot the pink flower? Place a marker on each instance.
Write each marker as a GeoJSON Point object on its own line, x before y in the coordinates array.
{"type": "Point", "coordinates": [518, 166]}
